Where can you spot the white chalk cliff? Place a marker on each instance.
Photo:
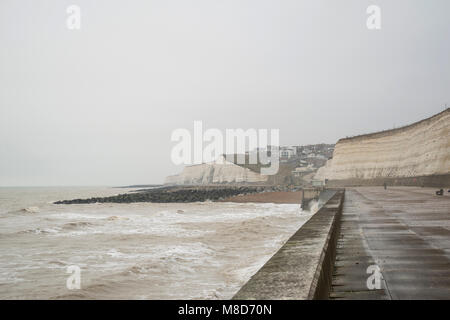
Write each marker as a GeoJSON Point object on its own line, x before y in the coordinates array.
{"type": "Point", "coordinates": [420, 149]}
{"type": "Point", "coordinates": [220, 171]}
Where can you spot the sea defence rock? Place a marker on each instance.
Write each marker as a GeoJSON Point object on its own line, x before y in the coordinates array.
{"type": "Point", "coordinates": [179, 194]}
{"type": "Point", "coordinates": [417, 154]}
{"type": "Point", "coordinates": [303, 267]}
{"type": "Point", "coordinates": [216, 172]}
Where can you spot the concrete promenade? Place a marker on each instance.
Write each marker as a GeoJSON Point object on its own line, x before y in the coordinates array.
{"type": "Point", "coordinates": [403, 230]}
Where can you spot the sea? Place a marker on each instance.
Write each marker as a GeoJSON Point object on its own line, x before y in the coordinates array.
{"type": "Point", "coordinates": [202, 250]}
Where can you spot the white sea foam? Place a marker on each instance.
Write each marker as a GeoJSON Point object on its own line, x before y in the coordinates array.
{"type": "Point", "coordinates": [168, 251]}
{"type": "Point", "coordinates": [32, 209]}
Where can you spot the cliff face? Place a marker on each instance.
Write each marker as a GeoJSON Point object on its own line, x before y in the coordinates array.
{"type": "Point", "coordinates": [420, 149]}
{"type": "Point", "coordinates": [216, 172]}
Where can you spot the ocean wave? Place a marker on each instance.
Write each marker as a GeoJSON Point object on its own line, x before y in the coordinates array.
{"type": "Point", "coordinates": [70, 226]}
{"type": "Point", "coordinates": [114, 253]}
{"type": "Point", "coordinates": [76, 225]}
{"type": "Point", "coordinates": [157, 268]}
{"type": "Point", "coordinates": [74, 216]}
{"type": "Point", "coordinates": [147, 250]}
{"type": "Point", "coordinates": [31, 209]}
{"type": "Point", "coordinates": [41, 231]}
{"type": "Point", "coordinates": [112, 218]}
{"type": "Point", "coordinates": [27, 210]}
{"type": "Point", "coordinates": [140, 269]}
{"type": "Point", "coordinates": [101, 289]}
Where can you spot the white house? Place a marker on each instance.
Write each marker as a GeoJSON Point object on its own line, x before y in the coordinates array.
{"type": "Point", "coordinates": [287, 152]}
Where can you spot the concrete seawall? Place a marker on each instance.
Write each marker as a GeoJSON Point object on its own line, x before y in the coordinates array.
{"type": "Point", "coordinates": [303, 267]}
{"type": "Point", "coordinates": [433, 181]}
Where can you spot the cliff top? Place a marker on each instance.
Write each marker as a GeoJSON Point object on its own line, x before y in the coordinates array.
{"type": "Point", "coordinates": [396, 130]}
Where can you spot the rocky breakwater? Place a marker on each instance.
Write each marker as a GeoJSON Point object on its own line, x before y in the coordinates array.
{"type": "Point", "coordinates": [178, 194]}
{"type": "Point", "coordinates": [414, 154]}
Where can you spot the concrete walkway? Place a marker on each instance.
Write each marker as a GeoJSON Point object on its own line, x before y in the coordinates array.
{"type": "Point", "coordinates": [403, 230]}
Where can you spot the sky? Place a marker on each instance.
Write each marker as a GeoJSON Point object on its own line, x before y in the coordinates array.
{"type": "Point", "coordinates": [97, 106]}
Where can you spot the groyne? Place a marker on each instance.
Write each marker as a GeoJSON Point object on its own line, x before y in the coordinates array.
{"type": "Point", "coordinates": [302, 268]}
{"type": "Point", "coordinates": [181, 194]}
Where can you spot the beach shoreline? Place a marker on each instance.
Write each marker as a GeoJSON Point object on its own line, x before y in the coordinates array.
{"type": "Point", "coordinates": [279, 197]}
{"type": "Point", "coordinates": [199, 193]}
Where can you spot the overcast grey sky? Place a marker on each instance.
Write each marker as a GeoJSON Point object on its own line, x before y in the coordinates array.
{"type": "Point", "coordinates": [97, 106]}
